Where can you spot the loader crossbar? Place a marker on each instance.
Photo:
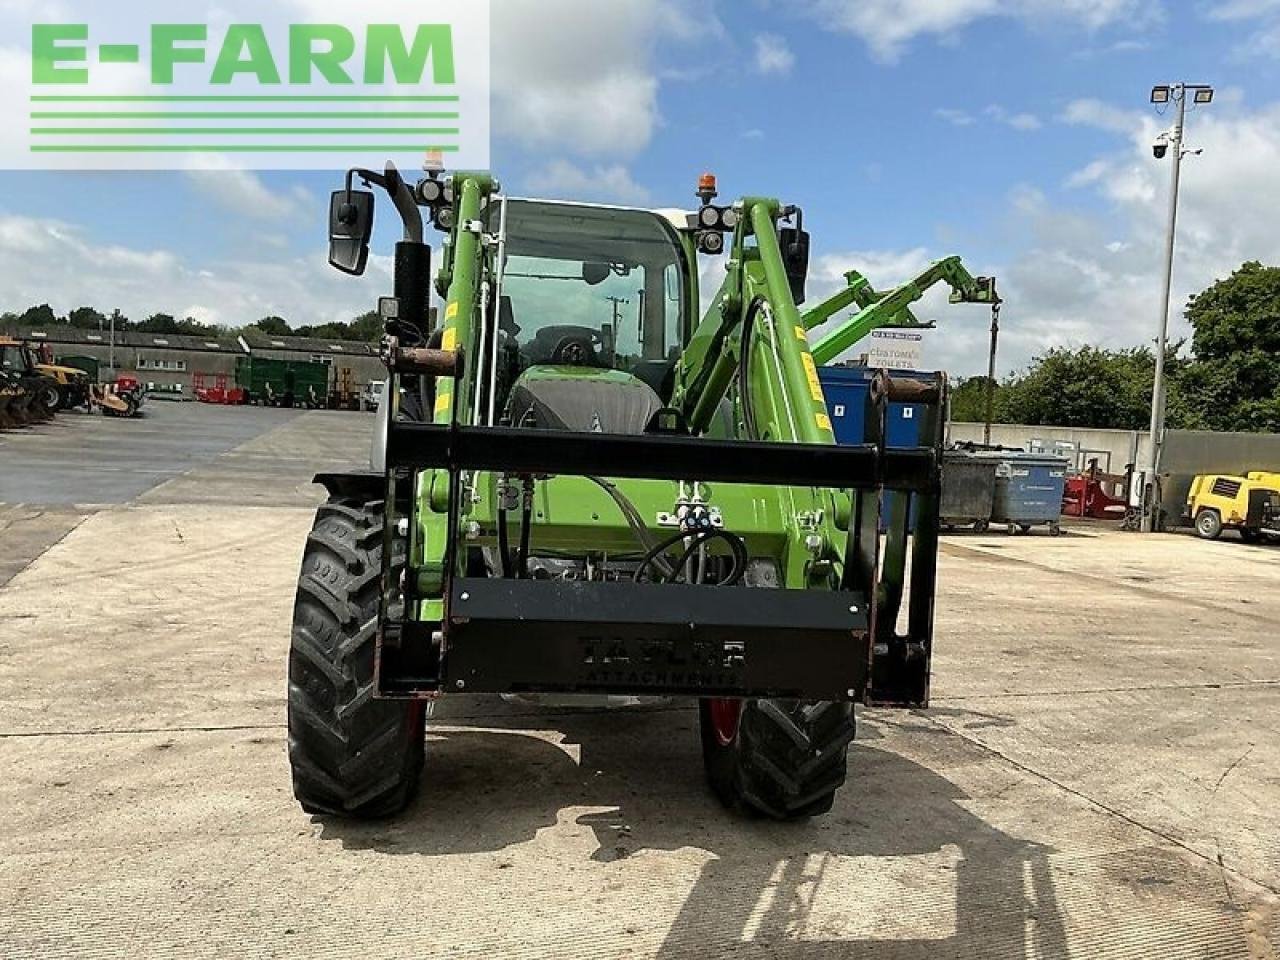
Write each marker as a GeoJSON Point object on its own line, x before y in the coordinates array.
{"type": "Point", "coordinates": [543, 452]}
{"type": "Point", "coordinates": [637, 639]}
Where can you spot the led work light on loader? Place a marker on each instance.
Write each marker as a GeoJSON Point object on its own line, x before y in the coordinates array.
{"type": "Point", "coordinates": [581, 486]}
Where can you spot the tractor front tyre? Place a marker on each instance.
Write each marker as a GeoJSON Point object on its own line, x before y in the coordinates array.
{"type": "Point", "coordinates": [352, 755]}
{"type": "Point", "coordinates": [783, 759]}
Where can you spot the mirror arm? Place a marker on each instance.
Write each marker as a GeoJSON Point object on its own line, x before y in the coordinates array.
{"type": "Point", "coordinates": [401, 195]}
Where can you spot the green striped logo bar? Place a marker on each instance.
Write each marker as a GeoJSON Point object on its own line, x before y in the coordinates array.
{"type": "Point", "coordinates": [126, 87]}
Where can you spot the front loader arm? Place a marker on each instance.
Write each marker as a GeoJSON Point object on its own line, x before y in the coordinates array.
{"type": "Point", "coordinates": [754, 315]}
{"type": "Point", "coordinates": [891, 309]}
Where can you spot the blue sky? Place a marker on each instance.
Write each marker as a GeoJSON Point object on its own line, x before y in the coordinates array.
{"type": "Point", "coordinates": [1016, 134]}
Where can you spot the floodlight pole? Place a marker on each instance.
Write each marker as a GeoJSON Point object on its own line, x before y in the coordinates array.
{"type": "Point", "coordinates": [1151, 495]}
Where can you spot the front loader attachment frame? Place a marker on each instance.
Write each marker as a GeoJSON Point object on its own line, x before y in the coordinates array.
{"type": "Point", "coordinates": [539, 636]}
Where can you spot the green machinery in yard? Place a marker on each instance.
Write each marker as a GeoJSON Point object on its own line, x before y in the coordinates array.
{"type": "Point", "coordinates": [583, 488]}
{"type": "Point", "coordinates": [288, 383]}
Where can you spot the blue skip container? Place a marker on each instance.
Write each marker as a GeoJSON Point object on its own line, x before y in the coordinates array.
{"type": "Point", "coordinates": [1029, 489]}
{"type": "Point", "coordinates": [846, 390]}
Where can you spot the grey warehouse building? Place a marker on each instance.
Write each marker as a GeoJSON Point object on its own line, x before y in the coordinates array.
{"type": "Point", "coordinates": [170, 363]}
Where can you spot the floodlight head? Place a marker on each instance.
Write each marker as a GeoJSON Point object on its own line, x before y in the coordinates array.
{"type": "Point", "coordinates": [1204, 95]}
{"type": "Point", "coordinates": [1161, 94]}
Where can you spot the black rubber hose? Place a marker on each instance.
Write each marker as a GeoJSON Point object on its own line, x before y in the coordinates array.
{"type": "Point", "coordinates": [526, 530]}
{"type": "Point", "coordinates": [504, 545]}
{"type": "Point", "coordinates": [736, 546]}
{"type": "Point", "coordinates": [744, 370]}
{"type": "Point", "coordinates": [635, 522]}
{"type": "Point", "coordinates": [658, 549]}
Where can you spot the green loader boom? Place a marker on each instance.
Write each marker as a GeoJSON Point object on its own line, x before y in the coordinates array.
{"type": "Point", "coordinates": [583, 487]}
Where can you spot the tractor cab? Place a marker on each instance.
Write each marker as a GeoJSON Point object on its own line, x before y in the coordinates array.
{"type": "Point", "coordinates": [590, 317]}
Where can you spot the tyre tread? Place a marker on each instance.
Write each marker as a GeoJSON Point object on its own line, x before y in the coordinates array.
{"type": "Point", "coordinates": [351, 754]}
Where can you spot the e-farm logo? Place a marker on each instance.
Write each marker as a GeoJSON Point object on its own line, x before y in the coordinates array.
{"type": "Point", "coordinates": [255, 93]}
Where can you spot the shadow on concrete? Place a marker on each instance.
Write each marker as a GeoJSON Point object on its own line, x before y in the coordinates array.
{"type": "Point", "coordinates": [497, 784]}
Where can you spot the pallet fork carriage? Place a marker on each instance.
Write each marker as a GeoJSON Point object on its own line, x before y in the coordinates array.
{"type": "Point", "coordinates": [686, 524]}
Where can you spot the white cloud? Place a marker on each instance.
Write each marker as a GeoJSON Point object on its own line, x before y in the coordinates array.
{"type": "Point", "coordinates": [889, 26]}
{"type": "Point", "coordinates": [243, 192]}
{"type": "Point", "coordinates": [1240, 9]}
{"type": "Point", "coordinates": [49, 261]}
{"type": "Point", "coordinates": [773, 55]}
{"type": "Point", "coordinates": [1104, 116]}
{"type": "Point", "coordinates": [562, 180]}
{"type": "Point", "coordinates": [957, 118]}
{"type": "Point", "coordinates": [583, 77]}
{"type": "Point", "coordinates": [1086, 278]}
{"type": "Point", "coordinates": [1263, 38]}
{"type": "Point", "coordinates": [1024, 122]}
{"type": "Point", "coordinates": [1118, 47]}
{"type": "Point", "coordinates": [1265, 43]}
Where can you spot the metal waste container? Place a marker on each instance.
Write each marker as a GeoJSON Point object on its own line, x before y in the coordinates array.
{"type": "Point", "coordinates": [1029, 489]}
{"type": "Point", "coordinates": [968, 490]}
{"type": "Point", "coordinates": [846, 389]}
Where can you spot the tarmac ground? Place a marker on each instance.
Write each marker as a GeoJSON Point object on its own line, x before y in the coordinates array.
{"type": "Point", "coordinates": [1098, 774]}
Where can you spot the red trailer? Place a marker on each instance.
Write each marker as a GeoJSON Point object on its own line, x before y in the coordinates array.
{"type": "Point", "coordinates": [220, 391]}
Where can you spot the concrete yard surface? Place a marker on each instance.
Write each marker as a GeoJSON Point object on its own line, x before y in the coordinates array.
{"type": "Point", "coordinates": [1098, 775]}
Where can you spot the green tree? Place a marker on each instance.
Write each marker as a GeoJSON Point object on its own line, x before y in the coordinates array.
{"type": "Point", "coordinates": [86, 318]}
{"type": "Point", "coordinates": [326, 331]}
{"type": "Point", "coordinates": [969, 400]}
{"type": "Point", "coordinates": [368, 327]}
{"type": "Point", "coordinates": [159, 323]}
{"type": "Point", "coordinates": [41, 316]}
{"type": "Point", "coordinates": [191, 327]}
{"type": "Point", "coordinates": [275, 327]}
{"type": "Point", "coordinates": [1085, 387]}
{"type": "Point", "coordinates": [1233, 382]}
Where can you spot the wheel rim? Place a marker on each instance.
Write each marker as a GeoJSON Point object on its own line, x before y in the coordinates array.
{"type": "Point", "coordinates": [725, 716]}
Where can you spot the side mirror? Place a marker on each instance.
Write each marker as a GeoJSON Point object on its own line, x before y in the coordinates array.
{"type": "Point", "coordinates": [795, 256]}
{"type": "Point", "coordinates": [350, 229]}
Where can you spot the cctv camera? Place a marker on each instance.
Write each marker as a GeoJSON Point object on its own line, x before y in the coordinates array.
{"type": "Point", "coordinates": [1161, 147]}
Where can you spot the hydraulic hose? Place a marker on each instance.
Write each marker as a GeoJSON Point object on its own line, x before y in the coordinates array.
{"type": "Point", "coordinates": [737, 547]}
{"type": "Point", "coordinates": [636, 523]}
{"type": "Point", "coordinates": [526, 530]}
{"type": "Point", "coordinates": [744, 370]}
{"type": "Point", "coordinates": [504, 545]}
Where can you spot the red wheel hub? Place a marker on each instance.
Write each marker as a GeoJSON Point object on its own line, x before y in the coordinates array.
{"type": "Point", "coordinates": [725, 716]}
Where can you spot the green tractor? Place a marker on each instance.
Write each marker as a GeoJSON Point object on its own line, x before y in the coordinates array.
{"type": "Point", "coordinates": [580, 486]}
